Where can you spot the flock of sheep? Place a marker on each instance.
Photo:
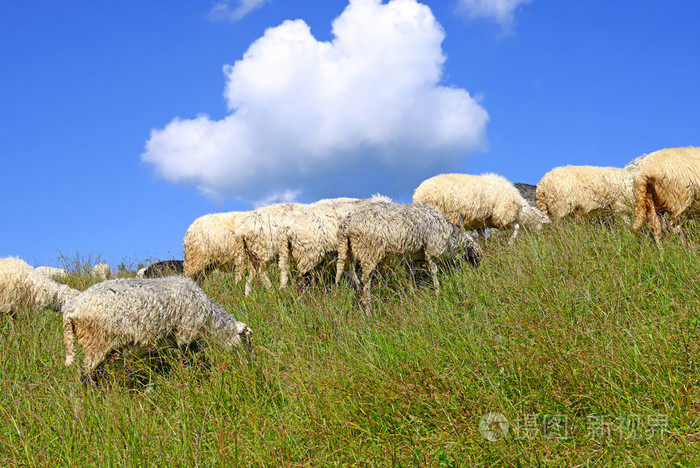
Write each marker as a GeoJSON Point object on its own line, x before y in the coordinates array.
{"type": "Point", "coordinates": [142, 313]}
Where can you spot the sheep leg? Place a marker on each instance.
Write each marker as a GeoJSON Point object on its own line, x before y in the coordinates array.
{"type": "Point", "coordinates": [433, 272]}
{"type": "Point", "coordinates": [356, 279]}
{"type": "Point", "coordinates": [365, 297]}
{"type": "Point", "coordinates": [367, 269]}
{"type": "Point", "coordinates": [249, 281]}
{"type": "Point", "coordinates": [411, 275]}
{"type": "Point", "coordinates": [284, 266]}
{"type": "Point", "coordinates": [516, 228]}
{"type": "Point", "coordinates": [655, 222]}
{"type": "Point", "coordinates": [342, 258]}
{"type": "Point", "coordinates": [265, 277]}
{"type": "Point", "coordinates": [92, 362]}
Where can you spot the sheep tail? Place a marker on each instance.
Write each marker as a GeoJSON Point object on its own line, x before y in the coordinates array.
{"type": "Point", "coordinates": [68, 339]}
{"type": "Point", "coordinates": [343, 249]}
{"type": "Point", "coordinates": [541, 201]}
{"type": "Point", "coordinates": [642, 200]}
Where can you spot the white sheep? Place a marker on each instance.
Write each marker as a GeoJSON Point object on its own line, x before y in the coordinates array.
{"type": "Point", "coordinates": [209, 243]}
{"type": "Point", "coordinates": [52, 272]}
{"type": "Point", "coordinates": [259, 239]}
{"type": "Point", "coordinates": [312, 234]}
{"type": "Point", "coordinates": [667, 180]}
{"type": "Point", "coordinates": [585, 191]}
{"type": "Point", "coordinates": [23, 287]}
{"type": "Point", "coordinates": [292, 232]}
{"type": "Point", "coordinates": [377, 230]}
{"type": "Point", "coordinates": [138, 315]}
{"type": "Point", "coordinates": [100, 272]}
{"type": "Point", "coordinates": [475, 202]}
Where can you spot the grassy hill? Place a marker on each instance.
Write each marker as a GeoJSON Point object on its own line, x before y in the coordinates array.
{"type": "Point", "coordinates": [582, 338]}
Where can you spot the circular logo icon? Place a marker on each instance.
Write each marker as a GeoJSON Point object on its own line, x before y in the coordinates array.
{"type": "Point", "coordinates": [493, 426]}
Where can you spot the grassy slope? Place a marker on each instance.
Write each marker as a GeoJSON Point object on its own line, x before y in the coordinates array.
{"type": "Point", "coordinates": [584, 321]}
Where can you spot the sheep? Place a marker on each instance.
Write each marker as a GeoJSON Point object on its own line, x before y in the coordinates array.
{"type": "Point", "coordinates": [138, 315]}
{"type": "Point", "coordinates": [163, 268]}
{"type": "Point", "coordinates": [53, 273]}
{"type": "Point", "coordinates": [312, 233]}
{"type": "Point", "coordinates": [478, 202]}
{"type": "Point", "coordinates": [22, 286]}
{"type": "Point", "coordinates": [371, 232]}
{"type": "Point", "coordinates": [259, 239]}
{"type": "Point", "coordinates": [208, 243]}
{"type": "Point", "coordinates": [100, 272]}
{"type": "Point", "coordinates": [667, 180]}
{"type": "Point", "coordinates": [585, 191]}
{"type": "Point", "coordinates": [292, 232]}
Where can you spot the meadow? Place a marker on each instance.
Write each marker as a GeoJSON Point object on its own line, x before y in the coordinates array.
{"type": "Point", "coordinates": [581, 341]}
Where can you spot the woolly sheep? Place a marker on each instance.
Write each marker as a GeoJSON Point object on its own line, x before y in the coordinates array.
{"type": "Point", "coordinates": [478, 202]}
{"type": "Point", "coordinates": [22, 286]}
{"type": "Point", "coordinates": [373, 231]}
{"type": "Point", "coordinates": [53, 273]}
{"type": "Point", "coordinates": [292, 232]}
{"type": "Point", "coordinates": [312, 233]}
{"type": "Point", "coordinates": [259, 239]}
{"type": "Point", "coordinates": [100, 272]}
{"type": "Point", "coordinates": [209, 243]}
{"type": "Point", "coordinates": [585, 191]}
{"type": "Point", "coordinates": [667, 180]}
{"type": "Point", "coordinates": [138, 314]}
{"type": "Point", "coordinates": [162, 268]}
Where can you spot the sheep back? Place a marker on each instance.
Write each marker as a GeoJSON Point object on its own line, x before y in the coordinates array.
{"type": "Point", "coordinates": [471, 201]}
{"type": "Point", "coordinates": [584, 190]}
{"type": "Point", "coordinates": [209, 242]}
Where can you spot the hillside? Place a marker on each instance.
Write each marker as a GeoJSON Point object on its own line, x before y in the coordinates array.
{"type": "Point", "coordinates": [581, 337]}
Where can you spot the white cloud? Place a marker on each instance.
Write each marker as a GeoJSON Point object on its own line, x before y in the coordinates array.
{"type": "Point", "coordinates": [360, 114]}
{"type": "Point", "coordinates": [224, 10]}
{"type": "Point", "coordinates": [503, 11]}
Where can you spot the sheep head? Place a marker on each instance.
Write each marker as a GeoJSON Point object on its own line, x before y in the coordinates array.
{"type": "Point", "coordinates": [531, 217]}
{"type": "Point", "coordinates": [462, 243]}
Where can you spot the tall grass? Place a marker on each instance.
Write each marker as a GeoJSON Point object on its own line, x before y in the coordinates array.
{"type": "Point", "coordinates": [582, 337]}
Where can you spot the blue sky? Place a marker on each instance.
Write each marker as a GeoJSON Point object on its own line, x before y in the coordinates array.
{"type": "Point", "coordinates": [122, 122]}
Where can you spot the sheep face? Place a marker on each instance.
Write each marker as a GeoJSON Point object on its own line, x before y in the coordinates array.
{"type": "Point", "coordinates": [533, 218]}
{"type": "Point", "coordinates": [461, 242]}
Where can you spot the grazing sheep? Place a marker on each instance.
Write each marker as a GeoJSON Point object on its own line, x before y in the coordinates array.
{"type": "Point", "coordinates": [528, 192]}
{"type": "Point", "coordinates": [312, 233]}
{"type": "Point", "coordinates": [304, 234]}
{"type": "Point", "coordinates": [209, 243]}
{"type": "Point", "coordinates": [259, 239]}
{"type": "Point", "coordinates": [100, 272]}
{"type": "Point", "coordinates": [160, 269]}
{"type": "Point", "coordinates": [478, 202]}
{"type": "Point", "coordinates": [585, 191]}
{"type": "Point", "coordinates": [22, 287]}
{"type": "Point", "coordinates": [667, 180]}
{"type": "Point", "coordinates": [139, 315]}
{"type": "Point", "coordinates": [371, 232]}
{"type": "Point", "coordinates": [53, 273]}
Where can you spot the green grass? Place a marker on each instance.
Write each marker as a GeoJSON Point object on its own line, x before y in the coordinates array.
{"type": "Point", "coordinates": [583, 323]}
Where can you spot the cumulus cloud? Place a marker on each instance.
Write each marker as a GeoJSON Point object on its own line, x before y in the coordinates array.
{"type": "Point", "coordinates": [224, 10]}
{"type": "Point", "coordinates": [362, 113]}
{"type": "Point", "coordinates": [503, 11]}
